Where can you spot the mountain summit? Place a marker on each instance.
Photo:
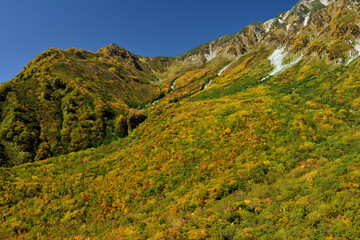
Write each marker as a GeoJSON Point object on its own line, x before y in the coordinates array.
{"type": "Point", "coordinates": [251, 136]}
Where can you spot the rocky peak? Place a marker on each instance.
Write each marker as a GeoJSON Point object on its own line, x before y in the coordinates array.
{"type": "Point", "coordinates": [114, 50]}
{"type": "Point", "coordinates": [121, 55]}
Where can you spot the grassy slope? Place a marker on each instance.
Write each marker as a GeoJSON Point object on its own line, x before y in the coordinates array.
{"type": "Point", "coordinates": [277, 161]}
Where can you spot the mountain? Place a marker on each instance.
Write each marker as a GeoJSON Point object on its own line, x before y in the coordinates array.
{"type": "Point", "coordinates": [252, 136]}
{"type": "Point", "coordinates": [65, 101]}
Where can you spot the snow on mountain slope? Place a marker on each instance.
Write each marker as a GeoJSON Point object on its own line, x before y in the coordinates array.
{"type": "Point", "coordinates": [173, 85]}
{"type": "Point", "coordinates": [208, 84]}
{"type": "Point", "coordinates": [268, 24]}
{"type": "Point", "coordinates": [226, 67]}
{"type": "Point", "coordinates": [306, 20]}
{"type": "Point", "coordinates": [325, 2]}
{"type": "Point", "coordinates": [277, 59]}
{"type": "Point", "coordinates": [355, 52]}
{"type": "Point", "coordinates": [211, 54]}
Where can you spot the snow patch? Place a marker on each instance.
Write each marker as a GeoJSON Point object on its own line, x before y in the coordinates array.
{"type": "Point", "coordinates": [354, 53]}
{"type": "Point", "coordinates": [154, 102]}
{"type": "Point", "coordinates": [283, 17]}
{"type": "Point", "coordinates": [288, 27]}
{"type": "Point", "coordinates": [173, 85]}
{"type": "Point", "coordinates": [208, 84]}
{"type": "Point", "coordinates": [306, 20]}
{"type": "Point", "coordinates": [220, 72]}
{"type": "Point", "coordinates": [277, 58]}
{"type": "Point", "coordinates": [268, 24]}
{"type": "Point", "coordinates": [325, 2]}
{"type": "Point", "coordinates": [226, 67]}
{"type": "Point", "coordinates": [286, 15]}
{"type": "Point", "coordinates": [211, 55]}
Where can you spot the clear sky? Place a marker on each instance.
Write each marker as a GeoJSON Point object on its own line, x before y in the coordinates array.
{"type": "Point", "coordinates": [144, 27]}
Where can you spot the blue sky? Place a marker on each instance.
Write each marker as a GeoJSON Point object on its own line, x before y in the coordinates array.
{"type": "Point", "coordinates": [144, 27]}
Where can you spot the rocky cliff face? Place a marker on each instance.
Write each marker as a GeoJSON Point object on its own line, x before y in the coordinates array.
{"type": "Point", "coordinates": [306, 28]}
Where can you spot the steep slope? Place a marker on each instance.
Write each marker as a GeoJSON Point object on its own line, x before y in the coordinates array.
{"type": "Point", "coordinates": [268, 150]}
{"type": "Point", "coordinates": [69, 100]}
{"type": "Point", "coordinates": [319, 30]}
{"type": "Point", "coordinates": [266, 163]}
{"type": "Point", "coordinates": [310, 25]}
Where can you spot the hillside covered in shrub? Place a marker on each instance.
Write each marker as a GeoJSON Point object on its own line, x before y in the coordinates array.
{"type": "Point", "coordinates": [241, 138]}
